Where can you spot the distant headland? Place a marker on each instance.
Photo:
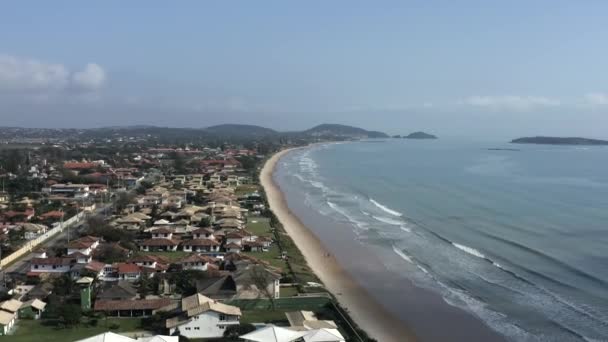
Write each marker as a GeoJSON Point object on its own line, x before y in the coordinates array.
{"type": "Point", "coordinates": [415, 135]}
{"type": "Point", "coordinates": [559, 141]}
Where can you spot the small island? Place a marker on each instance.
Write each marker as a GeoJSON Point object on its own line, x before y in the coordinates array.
{"type": "Point", "coordinates": [420, 135]}
{"type": "Point", "coordinates": [559, 141]}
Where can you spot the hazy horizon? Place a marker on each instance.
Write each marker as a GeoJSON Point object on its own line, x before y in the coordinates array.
{"type": "Point", "coordinates": [470, 68]}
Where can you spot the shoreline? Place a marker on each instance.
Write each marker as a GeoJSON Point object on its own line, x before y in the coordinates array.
{"type": "Point", "coordinates": [368, 313]}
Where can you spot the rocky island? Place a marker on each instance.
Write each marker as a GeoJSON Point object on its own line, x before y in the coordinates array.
{"type": "Point", "coordinates": [420, 135]}
{"type": "Point", "coordinates": [559, 141]}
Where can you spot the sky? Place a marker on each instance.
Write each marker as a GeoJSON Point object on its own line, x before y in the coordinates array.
{"type": "Point", "coordinates": [454, 68]}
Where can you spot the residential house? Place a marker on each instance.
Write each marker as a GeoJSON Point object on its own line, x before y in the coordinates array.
{"type": "Point", "coordinates": [32, 231]}
{"type": "Point", "coordinates": [12, 306]}
{"type": "Point", "coordinates": [7, 321]}
{"type": "Point", "coordinates": [201, 245]}
{"type": "Point", "coordinates": [151, 263]}
{"type": "Point", "coordinates": [122, 290]}
{"type": "Point", "coordinates": [203, 233]}
{"type": "Point", "coordinates": [32, 309]}
{"type": "Point", "coordinates": [197, 262]}
{"type": "Point", "coordinates": [84, 245]}
{"type": "Point", "coordinates": [198, 316]}
{"type": "Point", "coordinates": [272, 333]}
{"type": "Point", "coordinates": [130, 308]}
{"type": "Point", "coordinates": [248, 278]}
{"type": "Point", "coordinates": [71, 190]}
{"type": "Point", "coordinates": [51, 265]}
{"type": "Point", "coordinates": [158, 244]}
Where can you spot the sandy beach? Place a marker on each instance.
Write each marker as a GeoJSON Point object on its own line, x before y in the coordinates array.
{"type": "Point", "coordinates": [367, 312]}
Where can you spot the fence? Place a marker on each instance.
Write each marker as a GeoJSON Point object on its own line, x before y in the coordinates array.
{"type": "Point", "coordinates": [35, 242]}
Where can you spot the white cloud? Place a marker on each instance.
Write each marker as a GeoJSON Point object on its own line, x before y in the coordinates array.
{"type": "Point", "coordinates": [91, 78]}
{"type": "Point", "coordinates": [510, 102]}
{"type": "Point", "coordinates": [33, 77]}
{"type": "Point", "coordinates": [597, 99]}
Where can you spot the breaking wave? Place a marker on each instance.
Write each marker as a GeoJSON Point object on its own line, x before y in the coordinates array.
{"type": "Point", "coordinates": [469, 250]}
{"type": "Point", "coordinates": [386, 209]}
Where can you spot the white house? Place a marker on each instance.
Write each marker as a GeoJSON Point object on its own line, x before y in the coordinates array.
{"type": "Point", "coordinates": [51, 265]}
{"type": "Point", "coordinates": [203, 317]}
{"type": "Point", "coordinates": [196, 262]}
{"type": "Point", "coordinates": [201, 245]}
{"type": "Point", "coordinates": [7, 321]}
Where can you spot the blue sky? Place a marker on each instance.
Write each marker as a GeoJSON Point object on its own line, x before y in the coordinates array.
{"type": "Point", "coordinates": [456, 68]}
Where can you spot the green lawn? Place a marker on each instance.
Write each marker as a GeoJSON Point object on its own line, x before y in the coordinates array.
{"type": "Point", "coordinates": [288, 291]}
{"type": "Point", "coordinates": [172, 256]}
{"type": "Point", "coordinates": [272, 257]}
{"type": "Point", "coordinates": [260, 310]}
{"type": "Point", "coordinates": [286, 304]}
{"type": "Point", "coordinates": [259, 226]}
{"type": "Point", "coordinates": [245, 189]}
{"type": "Point", "coordinates": [264, 316]}
{"type": "Point", "coordinates": [35, 331]}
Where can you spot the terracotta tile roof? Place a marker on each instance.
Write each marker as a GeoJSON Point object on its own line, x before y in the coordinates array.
{"type": "Point", "coordinates": [79, 244]}
{"type": "Point", "coordinates": [127, 268]}
{"type": "Point", "coordinates": [144, 304]}
{"type": "Point", "coordinates": [200, 242]}
{"type": "Point", "coordinates": [160, 242]}
{"type": "Point", "coordinates": [197, 258]}
{"type": "Point", "coordinates": [232, 245]}
{"type": "Point", "coordinates": [162, 230]}
{"type": "Point", "coordinates": [52, 261]}
{"type": "Point", "coordinates": [52, 214]}
{"type": "Point", "coordinates": [206, 230]}
{"type": "Point", "coordinates": [95, 266]}
{"type": "Point", "coordinates": [235, 235]}
{"type": "Point", "coordinates": [79, 166]}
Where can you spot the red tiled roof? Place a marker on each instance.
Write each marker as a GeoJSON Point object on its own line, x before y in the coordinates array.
{"type": "Point", "coordinates": [79, 244]}
{"type": "Point", "coordinates": [232, 245]}
{"type": "Point", "coordinates": [79, 166]}
{"type": "Point", "coordinates": [206, 230]}
{"type": "Point", "coordinates": [127, 268]}
{"type": "Point", "coordinates": [197, 258]}
{"type": "Point", "coordinates": [96, 266]}
{"type": "Point", "coordinates": [144, 304]}
{"type": "Point", "coordinates": [149, 258]}
{"type": "Point", "coordinates": [160, 242]}
{"type": "Point", "coordinates": [52, 261]}
{"type": "Point", "coordinates": [235, 235]}
{"type": "Point", "coordinates": [52, 214]}
{"type": "Point", "coordinates": [162, 230]}
{"type": "Point", "coordinates": [200, 242]}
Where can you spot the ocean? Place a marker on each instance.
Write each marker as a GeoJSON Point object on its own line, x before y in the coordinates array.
{"type": "Point", "coordinates": [517, 238]}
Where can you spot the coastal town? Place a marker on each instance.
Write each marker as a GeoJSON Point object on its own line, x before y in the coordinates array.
{"type": "Point", "coordinates": [120, 239]}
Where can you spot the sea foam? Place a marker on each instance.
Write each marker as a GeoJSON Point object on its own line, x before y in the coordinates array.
{"type": "Point", "coordinates": [385, 209]}
{"type": "Point", "coordinates": [469, 250]}
{"type": "Point", "coordinates": [402, 255]}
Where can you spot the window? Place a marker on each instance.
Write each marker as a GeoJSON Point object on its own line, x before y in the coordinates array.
{"type": "Point", "coordinates": [197, 328]}
{"type": "Point", "coordinates": [188, 328]}
{"type": "Point", "coordinates": [36, 266]}
{"type": "Point", "coordinates": [222, 317]}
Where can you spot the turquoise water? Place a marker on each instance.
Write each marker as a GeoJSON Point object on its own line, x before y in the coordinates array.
{"type": "Point", "coordinates": [518, 238]}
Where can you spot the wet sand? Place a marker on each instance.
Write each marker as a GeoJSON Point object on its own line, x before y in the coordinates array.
{"type": "Point", "coordinates": [370, 315]}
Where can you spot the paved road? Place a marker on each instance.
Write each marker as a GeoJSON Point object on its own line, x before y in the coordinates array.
{"type": "Point", "coordinates": [22, 265]}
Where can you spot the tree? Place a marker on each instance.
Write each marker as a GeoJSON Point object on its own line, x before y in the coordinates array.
{"type": "Point", "coordinates": [178, 163]}
{"type": "Point", "coordinates": [110, 254]}
{"type": "Point", "coordinates": [234, 331]}
{"type": "Point", "coordinates": [143, 284]}
{"type": "Point", "coordinates": [263, 281]}
{"type": "Point", "coordinates": [63, 286]}
{"type": "Point", "coordinates": [205, 222]}
{"type": "Point", "coordinates": [70, 314]}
